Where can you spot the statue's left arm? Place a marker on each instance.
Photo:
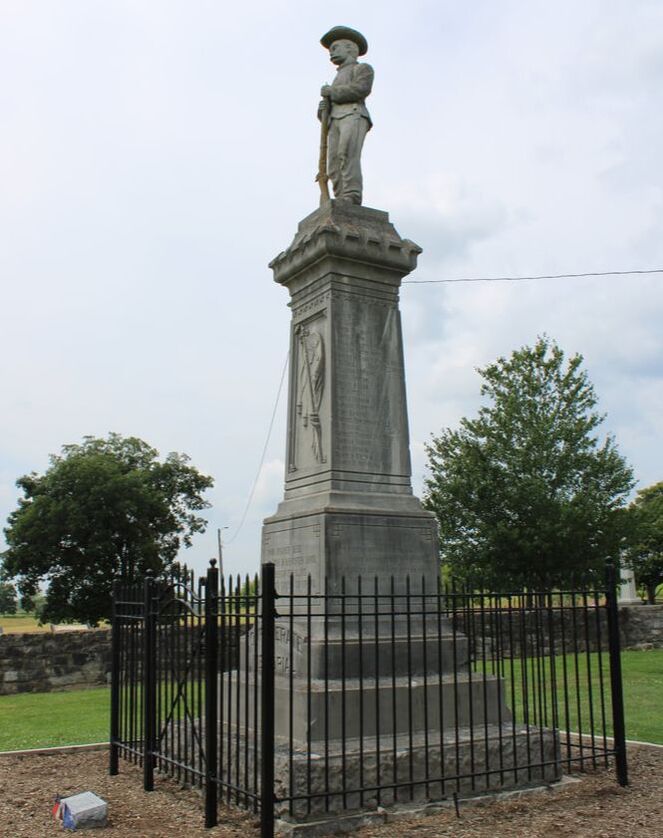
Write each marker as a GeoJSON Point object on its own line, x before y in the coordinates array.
{"type": "Point", "coordinates": [357, 90]}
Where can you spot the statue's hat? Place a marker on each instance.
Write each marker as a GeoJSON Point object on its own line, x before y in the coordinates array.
{"type": "Point", "coordinates": [337, 33]}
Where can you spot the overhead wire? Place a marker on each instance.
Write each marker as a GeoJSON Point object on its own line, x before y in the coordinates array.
{"type": "Point", "coordinates": [527, 278]}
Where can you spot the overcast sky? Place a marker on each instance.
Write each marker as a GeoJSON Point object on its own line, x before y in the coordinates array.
{"type": "Point", "coordinates": [155, 156]}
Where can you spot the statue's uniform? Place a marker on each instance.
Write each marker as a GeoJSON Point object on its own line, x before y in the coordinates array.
{"type": "Point", "coordinates": [348, 125]}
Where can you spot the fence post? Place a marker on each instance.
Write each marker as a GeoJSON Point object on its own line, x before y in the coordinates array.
{"type": "Point", "coordinates": [115, 683]}
{"type": "Point", "coordinates": [149, 682]}
{"type": "Point", "coordinates": [617, 694]}
{"type": "Point", "coordinates": [268, 595]}
{"type": "Point", "coordinates": [211, 693]}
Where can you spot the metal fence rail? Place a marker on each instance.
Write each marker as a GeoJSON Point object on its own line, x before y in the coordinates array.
{"type": "Point", "coordinates": [368, 692]}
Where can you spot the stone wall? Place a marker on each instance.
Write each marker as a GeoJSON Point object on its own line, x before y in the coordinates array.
{"type": "Point", "coordinates": [641, 626]}
{"type": "Point", "coordinates": [72, 659]}
{"type": "Point", "coordinates": [528, 632]}
{"type": "Point", "coordinates": [45, 662]}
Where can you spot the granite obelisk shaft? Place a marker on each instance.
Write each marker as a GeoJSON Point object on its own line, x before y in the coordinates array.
{"type": "Point", "coordinates": [348, 506]}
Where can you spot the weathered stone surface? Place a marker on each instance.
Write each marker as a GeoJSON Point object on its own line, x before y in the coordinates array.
{"type": "Point", "coordinates": [430, 768]}
{"type": "Point", "coordinates": [338, 710]}
{"type": "Point", "coordinates": [333, 777]}
{"type": "Point", "coordinates": [335, 649]}
{"type": "Point", "coordinates": [641, 624]}
{"type": "Point", "coordinates": [332, 546]}
{"type": "Point", "coordinates": [44, 662]}
{"type": "Point", "coordinates": [565, 631]}
{"type": "Point", "coordinates": [348, 506]}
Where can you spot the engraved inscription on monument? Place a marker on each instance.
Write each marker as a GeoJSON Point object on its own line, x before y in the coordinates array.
{"type": "Point", "coordinates": [390, 546]}
{"type": "Point", "coordinates": [370, 432]}
{"type": "Point", "coordinates": [294, 549]}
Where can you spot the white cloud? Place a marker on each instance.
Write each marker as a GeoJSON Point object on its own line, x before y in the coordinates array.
{"type": "Point", "coordinates": [155, 156]}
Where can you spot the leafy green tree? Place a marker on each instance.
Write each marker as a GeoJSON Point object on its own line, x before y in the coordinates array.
{"type": "Point", "coordinates": [8, 603]}
{"type": "Point", "coordinates": [525, 493]}
{"type": "Point", "coordinates": [645, 551]}
{"type": "Point", "coordinates": [104, 509]}
{"type": "Point", "coordinates": [33, 604]}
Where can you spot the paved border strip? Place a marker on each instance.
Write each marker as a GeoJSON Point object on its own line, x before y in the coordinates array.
{"type": "Point", "coordinates": [588, 737]}
{"type": "Point", "coordinates": [61, 749]}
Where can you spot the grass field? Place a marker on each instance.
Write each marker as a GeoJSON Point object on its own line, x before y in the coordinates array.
{"type": "Point", "coordinates": [642, 676]}
{"type": "Point", "coordinates": [28, 624]}
{"type": "Point", "coordinates": [15, 623]}
{"type": "Point", "coordinates": [42, 720]}
{"type": "Point", "coordinates": [34, 720]}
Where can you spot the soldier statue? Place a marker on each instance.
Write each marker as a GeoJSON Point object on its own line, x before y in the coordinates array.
{"type": "Point", "coordinates": [343, 114]}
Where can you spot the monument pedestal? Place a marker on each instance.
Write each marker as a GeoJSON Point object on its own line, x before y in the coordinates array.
{"type": "Point", "coordinates": [408, 696]}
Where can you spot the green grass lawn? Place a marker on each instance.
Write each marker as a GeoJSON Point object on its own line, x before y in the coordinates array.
{"type": "Point", "coordinates": [642, 677]}
{"type": "Point", "coordinates": [34, 720]}
{"type": "Point", "coordinates": [28, 623]}
{"type": "Point", "coordinates": [42, 720]}
{"type": "Point", "coordinates": [642, 674]}
{"type": "Point", "coordinates": [15, 623]}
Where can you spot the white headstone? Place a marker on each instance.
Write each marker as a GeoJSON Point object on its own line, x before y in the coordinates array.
{"type": "Point", "coordinates": [628, 594]}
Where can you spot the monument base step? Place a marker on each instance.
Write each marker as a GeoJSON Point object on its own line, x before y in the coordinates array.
{"type": "Point", "coordinates": [342, 824]}
{"type": "Point", "coordinates": [416, 771]}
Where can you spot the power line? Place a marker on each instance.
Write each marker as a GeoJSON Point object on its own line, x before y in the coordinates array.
{"type": "Point", "coordinates": [262, 457]}
{"type": "Point", "coordinates": [526, 278]}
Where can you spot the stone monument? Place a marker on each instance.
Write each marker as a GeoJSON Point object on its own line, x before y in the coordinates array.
{"type": "Point", "coordinates": [348, 508]}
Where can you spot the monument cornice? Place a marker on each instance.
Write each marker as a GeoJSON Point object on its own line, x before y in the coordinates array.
{"type": "Point", "coordinates": [347, 234]}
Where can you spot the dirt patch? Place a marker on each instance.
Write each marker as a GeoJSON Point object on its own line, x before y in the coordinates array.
{"type": "Point", "coordinates": [29, 783]}
{"type": "Point", "coordinates": [596, 807]}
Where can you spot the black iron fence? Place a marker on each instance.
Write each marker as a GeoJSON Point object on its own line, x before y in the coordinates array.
{"type": "Point", "coordinates": [302, 702]}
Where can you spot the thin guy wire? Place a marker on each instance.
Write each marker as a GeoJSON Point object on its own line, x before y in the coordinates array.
{"type": "Point", "coordinates": [526, 278]}
{"type": "Point", "coordinates": [264, 452]}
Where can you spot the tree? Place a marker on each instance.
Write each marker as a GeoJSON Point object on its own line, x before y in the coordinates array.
{"type": "Point", "coordinates": [645, 550]}
{"type": "Point", "coordinates": [104, 509]}
{"type": "Point", "coordinates": [525, 493]}
{"type": "Point", "coordinates": [7, 598]}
